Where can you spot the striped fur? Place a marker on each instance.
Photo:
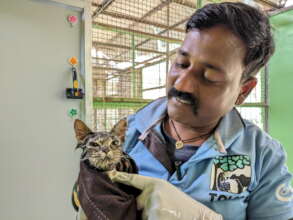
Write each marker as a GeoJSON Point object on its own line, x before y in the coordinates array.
{"type": "Point", "coordinates": [102, 151]}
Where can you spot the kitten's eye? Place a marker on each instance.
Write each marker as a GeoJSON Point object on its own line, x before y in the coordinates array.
{"type": "Point", "coordinates": [115, 143]}
{"type": "Point", "coordinates": [94, 144]}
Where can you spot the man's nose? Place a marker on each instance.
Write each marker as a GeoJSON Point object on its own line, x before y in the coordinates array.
{"type": "Point", "coordinates": [185, 81]}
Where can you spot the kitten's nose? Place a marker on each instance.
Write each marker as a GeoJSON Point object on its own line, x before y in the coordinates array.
{"type": "Point", "coordinates": [106, 149]}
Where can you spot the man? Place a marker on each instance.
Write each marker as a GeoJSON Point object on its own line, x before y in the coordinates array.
{"type": "Point", "coordinates": [195, 139]}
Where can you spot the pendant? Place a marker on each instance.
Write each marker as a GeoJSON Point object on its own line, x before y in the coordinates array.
{"type": "Point", "coordinates": [179, 144]}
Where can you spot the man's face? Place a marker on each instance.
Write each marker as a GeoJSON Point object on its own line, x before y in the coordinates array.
{"type": "Point", "coordinates": [208, 70]}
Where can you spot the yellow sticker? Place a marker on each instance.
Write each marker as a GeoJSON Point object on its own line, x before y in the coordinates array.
{"type": "Point", "coordinates": [75, 84]}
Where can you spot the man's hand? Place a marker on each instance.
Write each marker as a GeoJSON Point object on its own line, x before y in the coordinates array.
{"type": "Point", "coordinates": [161, 200]}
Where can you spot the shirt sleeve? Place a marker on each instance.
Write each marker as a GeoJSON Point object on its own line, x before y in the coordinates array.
{"type": "Point", "coordinates": [272, 198]}
{"type": "Point", "coordinates": [131, 135]}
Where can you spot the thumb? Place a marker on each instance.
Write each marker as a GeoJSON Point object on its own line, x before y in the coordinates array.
{"type": "Point", "coordinates": [135, 180]}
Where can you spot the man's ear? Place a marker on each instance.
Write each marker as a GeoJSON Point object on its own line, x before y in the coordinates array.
{"type": "Point", "coordinates": [81, 130]}
{"type": "Point", "coordinates": [120, 128]}
{"type": "Point", "coordinates": [246, 87]}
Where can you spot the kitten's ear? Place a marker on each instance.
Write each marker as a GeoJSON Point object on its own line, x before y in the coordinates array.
{"type": "Point", "coordinates": [81, 130]}
{"type": "Point", "coordinates": [120, 128]}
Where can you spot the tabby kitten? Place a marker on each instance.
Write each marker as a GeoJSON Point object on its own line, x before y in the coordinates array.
{"type": "Point", "coordinates": [103, 150]}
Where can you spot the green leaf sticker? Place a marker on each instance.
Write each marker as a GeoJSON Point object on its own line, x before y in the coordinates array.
{"type": "Point", "coordinates": [72, 112]}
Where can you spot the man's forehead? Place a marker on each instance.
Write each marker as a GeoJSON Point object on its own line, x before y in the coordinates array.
{"type": "Point", "coordinates": [217, 46]}
{"type": "Point", "coordinates": [218, 33]}
{"type": "Point", "coordinates": [217, 39]}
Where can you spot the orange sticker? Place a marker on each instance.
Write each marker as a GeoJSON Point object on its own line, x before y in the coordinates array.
{"type": "Point", "coordinates": [73, 61]}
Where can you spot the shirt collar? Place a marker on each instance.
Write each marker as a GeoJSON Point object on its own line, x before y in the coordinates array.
{"type": "Point", "coordinates": [229, 128]}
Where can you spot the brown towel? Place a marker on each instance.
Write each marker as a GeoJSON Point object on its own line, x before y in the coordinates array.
{"type": "Point", "coordinates": [101, 199]}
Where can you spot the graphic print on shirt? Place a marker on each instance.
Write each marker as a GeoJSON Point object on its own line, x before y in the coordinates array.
{"type": "Point", "coordinates": [231, 174]}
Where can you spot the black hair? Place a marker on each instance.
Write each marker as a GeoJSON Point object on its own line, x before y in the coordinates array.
{"type": "Point", "coordinates": [246, 22]}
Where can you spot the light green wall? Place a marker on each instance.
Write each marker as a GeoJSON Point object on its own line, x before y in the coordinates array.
{"type": "Point", "coordinates": [38, 164]}
{"type": "Point", "coordinates": [281, 84]}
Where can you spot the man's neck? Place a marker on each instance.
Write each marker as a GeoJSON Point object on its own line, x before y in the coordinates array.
{"type": "Point", "coordinates": [184, 132]}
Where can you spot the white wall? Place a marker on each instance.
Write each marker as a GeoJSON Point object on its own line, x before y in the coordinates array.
{"type": "Point", "coordinates": [38, 164]}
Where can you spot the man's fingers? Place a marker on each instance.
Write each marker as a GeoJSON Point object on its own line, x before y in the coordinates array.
{"type": "Point", "coordinates": [135, 180]}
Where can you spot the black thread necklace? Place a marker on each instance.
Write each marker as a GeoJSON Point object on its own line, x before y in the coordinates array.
{"type": "Point", "coordinates": [180, 143]}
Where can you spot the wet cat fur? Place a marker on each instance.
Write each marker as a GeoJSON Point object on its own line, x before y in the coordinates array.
{"type": "Point", "coordinates": [103, 150]}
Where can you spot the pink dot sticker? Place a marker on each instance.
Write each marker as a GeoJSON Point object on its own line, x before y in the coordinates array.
{"type": "Point", "coordinates": [72, 19]}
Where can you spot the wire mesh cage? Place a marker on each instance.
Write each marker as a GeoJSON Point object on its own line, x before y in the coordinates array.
{"type": "Point", "coordinates": [107, 117]}
{"type": "Point", "coordinates": [255, 108]}
{"type": "Point", "coordinates": [132, 43]}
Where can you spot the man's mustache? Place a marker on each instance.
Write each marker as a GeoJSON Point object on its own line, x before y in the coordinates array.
{"type": "Point", "coordinates": [185, 96]}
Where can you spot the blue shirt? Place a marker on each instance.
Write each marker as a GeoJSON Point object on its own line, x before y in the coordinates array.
{"type": "Point", "coordinates": [249, 181]}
